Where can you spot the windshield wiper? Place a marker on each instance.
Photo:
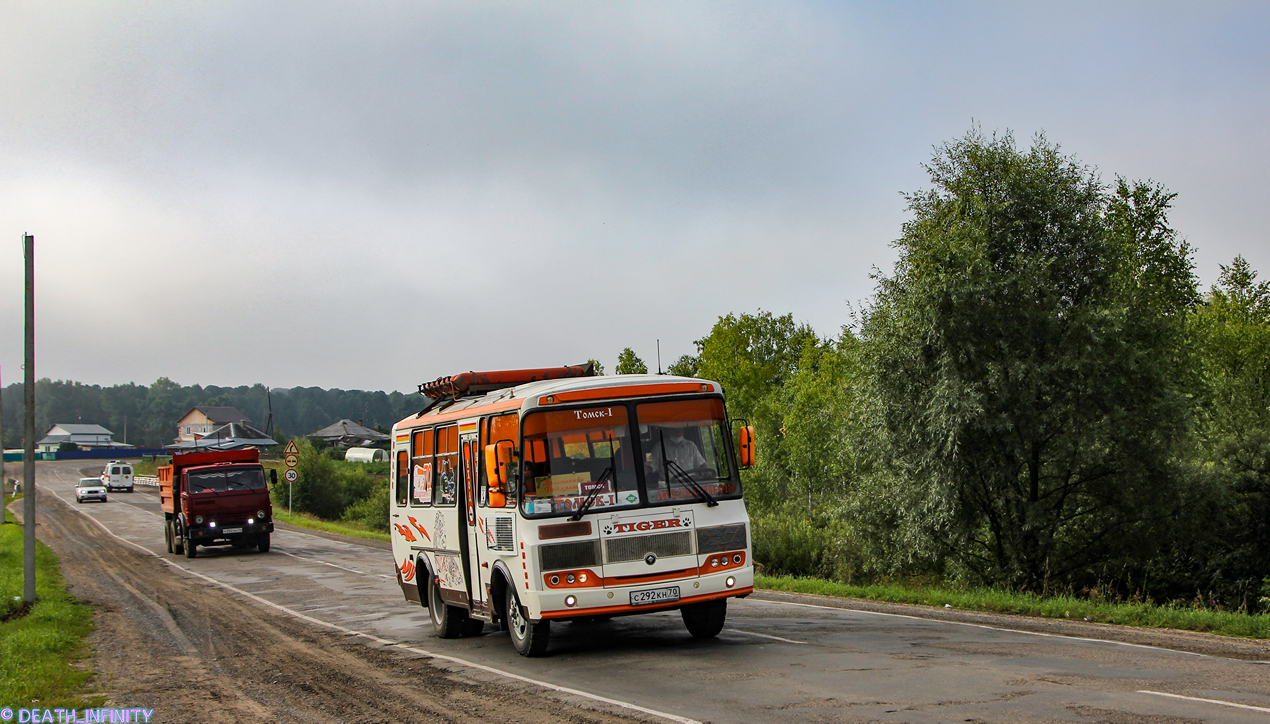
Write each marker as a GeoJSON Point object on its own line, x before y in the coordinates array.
{"type": "Point", "coordinates": [599, 484]}
{"type": "Point", "coordinates": [673, 469]}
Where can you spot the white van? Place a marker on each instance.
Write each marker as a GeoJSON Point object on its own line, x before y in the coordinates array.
{"type": "Point", "coordinates": [117, 476]}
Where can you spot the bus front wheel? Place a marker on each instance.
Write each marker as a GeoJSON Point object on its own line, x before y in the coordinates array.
{"type": "Point", "coordinates": [705, 620]}
{"type": "Point", "coordinates": [530, 639]}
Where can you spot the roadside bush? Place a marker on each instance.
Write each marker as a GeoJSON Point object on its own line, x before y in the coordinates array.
{"type": "Point", "coordinates": [372, 511]}
{"type": "Point", "coordinates": [335, 490]}
{"type": "Point", "coordinates": [793, 541]}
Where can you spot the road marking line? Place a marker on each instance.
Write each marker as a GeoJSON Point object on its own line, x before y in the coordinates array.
{"type": "Point", "coordinates": [1206, 701]}
{"type": "Point", "coordinates": [766, 636]}
{"type": "Point", "coordinates": [351, 632]}
{"type": "Point", "coordinates": [1006, 630]}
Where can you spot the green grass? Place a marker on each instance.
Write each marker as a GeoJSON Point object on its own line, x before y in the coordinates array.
{"type": "Point", "coordinates": [38, 650]}
{"type": "Point", "coordinates": [1147, 615]}
{"type": "Point", "coordinates": [312, 522]}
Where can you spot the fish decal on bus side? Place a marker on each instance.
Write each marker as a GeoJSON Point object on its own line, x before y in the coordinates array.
{"type": "Point", "coordinates": [418, 527]}
{"type": "Point", "coordinates": [405, 532]}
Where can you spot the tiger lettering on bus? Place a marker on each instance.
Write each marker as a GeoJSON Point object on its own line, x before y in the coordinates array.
{"type": "Point", "coordinates": [645, 525]}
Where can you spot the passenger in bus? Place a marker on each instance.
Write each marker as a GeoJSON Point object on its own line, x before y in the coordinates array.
{"type": "Point", "coordinates": [679, 449]}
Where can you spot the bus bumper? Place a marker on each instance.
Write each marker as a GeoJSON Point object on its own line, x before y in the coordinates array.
{"type": "Point", "coordinates": [616, 601]}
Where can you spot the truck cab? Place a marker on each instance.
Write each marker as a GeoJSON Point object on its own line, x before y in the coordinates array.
{"type": "Point", "coordinates": [216, 499]}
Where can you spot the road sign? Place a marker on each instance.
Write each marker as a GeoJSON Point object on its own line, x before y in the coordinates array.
{"type": "Point", "coordinates": [291, 476]}
{"type": "Point", "coordinates": [291, 460]}
{"type": "Point", "coordinates": [290, 449]}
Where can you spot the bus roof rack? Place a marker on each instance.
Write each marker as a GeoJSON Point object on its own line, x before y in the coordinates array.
{"type": "Point", "coordinates": [479, 383]}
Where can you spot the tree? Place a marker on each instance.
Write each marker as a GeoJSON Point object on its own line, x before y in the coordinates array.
{"type": "Point", "coordinates": [629, 363]}
{"type": "Point", "coordinates": [1025, 357]}
{"type": "Point", "coordinates": [753, 356]}
{"type": "Point", "coordinates": [1231, 333]}
{"type": "Point", "coordinates": [685, 366]}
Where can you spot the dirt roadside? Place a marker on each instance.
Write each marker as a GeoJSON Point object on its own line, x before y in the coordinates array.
{"type": "Point", "coordinates": [196, 653]}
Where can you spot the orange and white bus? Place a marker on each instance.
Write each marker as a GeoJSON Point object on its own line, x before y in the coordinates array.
{"type": "Point", "coordinates": [530, 496]}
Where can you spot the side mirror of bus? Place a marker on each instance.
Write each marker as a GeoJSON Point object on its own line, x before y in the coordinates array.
{"type": "Point", "coordinates": [498, 463]}
{"type": "Point", "coordinates": [493, 472]}
{"type": "Point", "coordinates": [746, 448]}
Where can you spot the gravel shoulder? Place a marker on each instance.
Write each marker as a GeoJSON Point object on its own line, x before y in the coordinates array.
{"type": "Point", "coordinates": [196, 653]}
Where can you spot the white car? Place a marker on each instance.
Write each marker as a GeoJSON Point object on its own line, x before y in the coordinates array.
{"type": "Point", "coordinates": [90, 489]}
{"type": "Point", "coordinates": [117, 476]}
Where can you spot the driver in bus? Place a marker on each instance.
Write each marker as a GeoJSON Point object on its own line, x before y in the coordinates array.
{"type": "Point", "coordinates": [679, 449]}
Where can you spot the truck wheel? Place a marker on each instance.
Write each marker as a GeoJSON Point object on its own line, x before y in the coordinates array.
{"type": "Point", "coordinates": [191, 548]}
{"type": "Point", "coordinates": [530, 639]}
{"type": "Point", "coordinates": [167, 535]}
{"type": "Point", "coordinates": [447, 620]}
{"type": "Point", "coordinates": [262, 542]}
{"type": "Point", "coordinates": [178, 543]}
{"type": "Point", "coordinates": [705, 620]}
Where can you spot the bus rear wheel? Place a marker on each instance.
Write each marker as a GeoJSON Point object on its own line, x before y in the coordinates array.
{"type": "Point", "coordinates": [705, 620]}
{"type": "Point", "coordinates": [530, 639]}
{"type": "Point", "coordinates": [448, 622]}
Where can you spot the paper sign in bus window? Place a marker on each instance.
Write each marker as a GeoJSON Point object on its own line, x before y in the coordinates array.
{"type": "Point", "coordinates": [423, 483]}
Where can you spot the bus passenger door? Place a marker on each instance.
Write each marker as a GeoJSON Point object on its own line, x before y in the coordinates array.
{"type": "Point", "coordinates": [473, 537]}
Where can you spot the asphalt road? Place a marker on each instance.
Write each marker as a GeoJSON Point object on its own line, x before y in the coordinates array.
{"type": "Point", "coordinates": [776, 660]}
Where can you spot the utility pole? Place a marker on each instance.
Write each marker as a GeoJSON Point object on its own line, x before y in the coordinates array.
{"type": "Point", "coordinates": [28, 456]}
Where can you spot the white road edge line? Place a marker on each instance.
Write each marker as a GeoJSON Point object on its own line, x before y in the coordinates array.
{"type": "Point", "coordinates": [1206, 701]}
{"type": "Point", "coordinates": [1009, 630]}
{"type": "Point", "coordinates": [386, 642]}
{"type": "Point", "coordinates": [766, 636]}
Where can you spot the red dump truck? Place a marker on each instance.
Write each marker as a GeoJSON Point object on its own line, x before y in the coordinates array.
{"type": "Point", "coordinates": [216, 498]}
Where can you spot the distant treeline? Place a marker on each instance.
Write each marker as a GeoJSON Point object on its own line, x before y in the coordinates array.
{"type": "Point", "coordinates": [145, 416]}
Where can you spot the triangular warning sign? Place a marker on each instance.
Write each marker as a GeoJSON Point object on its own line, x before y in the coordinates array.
{"type": "Point", "coordinates": [290, 449]}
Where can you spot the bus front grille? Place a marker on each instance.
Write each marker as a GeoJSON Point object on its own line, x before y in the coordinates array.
{"type": "Point", "coordinates": [580, 554]}
{"type": "Point", "coordinates": [634, 548]}
{"type": "Point", "coordinates": [721, 538]}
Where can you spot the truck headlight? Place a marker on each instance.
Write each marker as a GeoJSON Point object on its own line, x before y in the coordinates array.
{"type": "Point", "coordinates": [198, 520]}
{"type": "Point", "coordinates": [260, 514]}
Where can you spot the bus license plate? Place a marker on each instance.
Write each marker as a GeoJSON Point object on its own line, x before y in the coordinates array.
{"type": "Point", "coordinates": [656, 595]}
{"type": "Point", "coordinates": [227, 531]}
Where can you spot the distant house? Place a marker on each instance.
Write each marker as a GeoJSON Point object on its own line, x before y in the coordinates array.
{"type": "Point", "coordinates": [347, 433]}
{"type": "Point", "coordinates": [200, 421]}
{"type": "Point", "coordinates": [231, 436]}
{"type": "Point", "coordinates": [84, 436]}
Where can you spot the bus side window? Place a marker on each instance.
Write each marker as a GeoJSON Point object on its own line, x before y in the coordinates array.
{"type": "Point", "coordinates": [505, 427]}
{"type": "Point", "coordinates": [403, 476]}
{"type": "Point", "coordinates": [447, 466]}
{"type": "Point", "coordinates": [421, 470]}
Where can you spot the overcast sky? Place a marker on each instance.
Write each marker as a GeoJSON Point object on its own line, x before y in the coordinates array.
{"type": "Point", "coordinates": [371, 195]}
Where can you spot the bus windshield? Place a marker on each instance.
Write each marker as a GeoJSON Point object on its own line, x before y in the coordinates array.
{"type": "Point", "coordinates": [684, 453]}
{"type": "Point", "coordinates": [593, 459]}
{"type": "Point", "coordinates": [576, 456]}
